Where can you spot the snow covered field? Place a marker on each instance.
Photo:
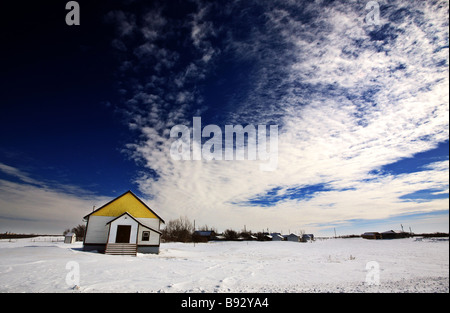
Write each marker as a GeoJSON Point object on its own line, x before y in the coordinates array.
{"type": "Point", "coordinates": [334, 265]}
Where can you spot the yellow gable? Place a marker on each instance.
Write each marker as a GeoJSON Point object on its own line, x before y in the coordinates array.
{"type": "Point", "coordinates": [126, 203]}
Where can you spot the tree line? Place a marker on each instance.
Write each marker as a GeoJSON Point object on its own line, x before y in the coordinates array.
{"type": "Point", "coordinates": [183, 230]}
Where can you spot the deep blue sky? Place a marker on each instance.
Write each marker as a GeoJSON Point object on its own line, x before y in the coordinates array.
{"type": "Point", "coordinates": [362, 111]}
{"type": "Point", "coordinates": [58, 85]}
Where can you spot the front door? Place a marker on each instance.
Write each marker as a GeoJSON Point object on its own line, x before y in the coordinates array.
{"type": "Point", "coordinates": [123, 233]}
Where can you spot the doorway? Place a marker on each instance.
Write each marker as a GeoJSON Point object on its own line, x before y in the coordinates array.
{"type": "Point", "coordinates": [123, 233]}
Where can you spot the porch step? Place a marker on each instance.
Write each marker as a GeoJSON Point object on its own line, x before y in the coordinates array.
{"type": "Point", "coordinates": [121, 249]}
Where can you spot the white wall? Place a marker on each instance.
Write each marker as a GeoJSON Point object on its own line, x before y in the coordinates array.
{"type": "Point", "coordinates": [150, 222]}
{"type": "Point", "coordinates": [124, 220]}
{"type": "Point", "coordinates": [97, 230]}
{"type": "Point", "coordinates": [154, 237]}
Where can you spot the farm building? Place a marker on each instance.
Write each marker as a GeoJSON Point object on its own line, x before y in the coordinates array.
{"type": "Point", "coordinates": [307, 237]}
{"type": "Point", "coordinates": [204, 235]}
{"type": "Point", "coordinates": [293, 237]}
{"type": "Point", "coordinates": [125, 225]}
{"type": "Point", "coordinates": [390, 234]}
{"type": "Point", "coordinates": [277, 237]}
{"type": "Point", "coordinates": [247, 236]}
{"type": "Point", "coordinates": [371, 235]}
{"type": "Point", "coordinates": [394, 234]}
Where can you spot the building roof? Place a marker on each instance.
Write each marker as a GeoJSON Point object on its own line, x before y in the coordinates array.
{"type": "Point", "coordinates": [277, 235]}
{"type": "Point", "coordinates": [204, 232]}
{"type": "Point", "coordinates": [126, 193]}
{"type": "Point", "coordinates": [136, 220]}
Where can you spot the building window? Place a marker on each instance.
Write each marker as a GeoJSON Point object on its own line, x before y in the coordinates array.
{"type": "Point", "coordinates": [145, 236]}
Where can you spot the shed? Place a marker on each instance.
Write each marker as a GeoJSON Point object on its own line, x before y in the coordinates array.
{"type": "Point", "coordinates": [70, 238]}
{"type": "Point", "coordinates": [293, 237]}
{"type": "Point", "coordinates": [307, 237]}
{"type": "Point", "coordinates": [371, 235]}
{"type": "Point", "coordinates": [394, 234]}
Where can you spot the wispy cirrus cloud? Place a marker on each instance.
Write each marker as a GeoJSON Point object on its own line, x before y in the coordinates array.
{"type": "Point", "coordinates": [349, 98]}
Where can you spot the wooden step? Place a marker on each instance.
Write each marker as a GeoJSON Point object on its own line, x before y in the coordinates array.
{"type": "Point", "coordinates": [121, 249]}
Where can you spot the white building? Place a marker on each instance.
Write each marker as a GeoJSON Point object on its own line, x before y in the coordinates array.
{"type": "Point", "coordinates": [70, 238]}
{"type": "Point", "coordinates": [125, 225]}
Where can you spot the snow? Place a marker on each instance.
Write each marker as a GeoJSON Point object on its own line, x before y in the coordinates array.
{"type": "Point", "coordinates": [333, 265]}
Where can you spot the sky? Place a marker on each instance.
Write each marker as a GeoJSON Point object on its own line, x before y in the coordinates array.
{"type": "Point", "coordinates": [357, 91]}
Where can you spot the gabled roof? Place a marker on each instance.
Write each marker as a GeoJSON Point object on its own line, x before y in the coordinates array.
{"type": "Point", "coordinates": [128, 192]}
{"type": "Point", "coordinates": [134, 219]}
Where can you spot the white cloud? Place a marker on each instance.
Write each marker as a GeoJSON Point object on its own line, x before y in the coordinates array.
{"type": "Point", "coordinates": [33, 206]}
{"type": "Point", "coordinates": [349, 98]}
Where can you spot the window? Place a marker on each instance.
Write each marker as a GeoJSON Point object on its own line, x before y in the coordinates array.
{"type": "Point", "coordinates": [145, 236]}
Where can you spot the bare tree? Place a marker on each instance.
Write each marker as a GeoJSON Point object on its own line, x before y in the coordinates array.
{"type": "Point", "coordinates": [230, 234]}
{"type": "Point", "coordinates": [180, 229]}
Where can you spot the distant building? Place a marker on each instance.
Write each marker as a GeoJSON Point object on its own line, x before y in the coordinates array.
{"type": "Point", "coordinates": [371, 235]}
{"type": "Point", "coordinates": [264, 237]}
{"type": "Point", "coordinates": [204, 235]}
{"type": "Point", "coordinates": [394, 234]}
{"type": "Point", "coordinates": [277, 237]}
{"type": "Point", "coordinates": [69, 238]}
{"type": "Point", "coordinates": [293, 237]}
{"type": "Point", "coordinates": [307, 237]}
{"type": "Point", "coordinates": [390, 234]}
{"type": "Point", "coordinates": [247, 236]}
